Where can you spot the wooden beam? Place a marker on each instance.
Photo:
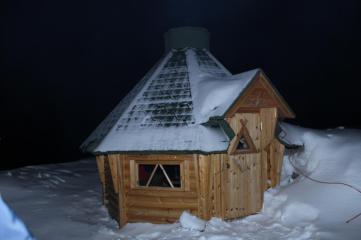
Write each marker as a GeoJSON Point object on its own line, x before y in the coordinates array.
{"type": "Point", "coordinates": [114, 171]}
{"type": "Point", "coordinates": [197, 178]}
{"type": "Point", "coordinates": [121, 193]}
{"type": "Point", "coordinates": [204, 186]}
{"type": "Point", "coordinates": [100, 165]}
{"type": "Point", "coordinates": [217, 184]}
{"type": "Point", "coordinates": [268, 118]}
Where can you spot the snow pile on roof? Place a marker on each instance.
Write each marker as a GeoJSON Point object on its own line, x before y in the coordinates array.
{"type": "Point", "coordinates": [165, 111]}
{"type": "Point", "coordinates": [63, 201]}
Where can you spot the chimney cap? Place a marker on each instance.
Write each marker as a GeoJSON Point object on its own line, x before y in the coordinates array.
{"type": "Point", "coordinates": [181, 37]}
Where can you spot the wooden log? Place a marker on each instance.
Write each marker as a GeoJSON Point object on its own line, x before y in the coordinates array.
{"type": "Point", "coordinates": [187, 175]}
{"type": "Point", "coordinates": [217, 185]}
{"type": "Point", "coordinates": [162, 193]}
{"type": "Point", "coordinates": [278, 160]}
{"type": "Point", "coordinates": [100, 165]}
{"type": "Point", "coordinates": [197, 178]}
{"type": "Point", "coordinates": [152, 219]}
{"type": "Point", "coordinates": [168, 205]}
{"type": "Point", "coordinates": [114, 171]}
{"type": "Point", "coordinates": [204, 186]}
{"type": "Point", "coordinates": [122, 200]}
{"type": "Point", "coordinates": [111, 198]}
{"type": "Point", "coordinates": [159, 157]}
{"type": "Point", "coordinates": [162, 200]}
{"type": "Point", "coordinates": [264, 172]}
{"type": "Point", "coordinates": [154, 212]}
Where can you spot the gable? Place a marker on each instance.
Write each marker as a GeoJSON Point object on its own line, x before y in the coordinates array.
{"type": "Point", "coordinates": [260, 94]}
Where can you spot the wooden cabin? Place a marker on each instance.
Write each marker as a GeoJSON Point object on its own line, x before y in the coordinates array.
{"type": "Point", "coordinates": [190, 136]}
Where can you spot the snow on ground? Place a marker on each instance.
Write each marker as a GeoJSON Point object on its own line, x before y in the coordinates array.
{"type": "Point", "coordinates": [63, 201]}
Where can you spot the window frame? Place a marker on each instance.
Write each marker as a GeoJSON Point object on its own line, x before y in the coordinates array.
{"type": "Point", "coordinates": [251, 146]}
{"type": "Point", "coordinates": [134, 174]}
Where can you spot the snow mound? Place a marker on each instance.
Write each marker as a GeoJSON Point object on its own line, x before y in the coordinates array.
{"type": "Point", "coordinates": [298, 213]}
{"type": "Point", "coordinates": [191, 222]}
{"type": "Point", "coordinates": [11, 228]}
{"type": "Point", "coordinates": [330, 158]}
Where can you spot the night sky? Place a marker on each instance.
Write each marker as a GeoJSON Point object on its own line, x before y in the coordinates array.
{"type": "Point", "coordinates": [64, 64]}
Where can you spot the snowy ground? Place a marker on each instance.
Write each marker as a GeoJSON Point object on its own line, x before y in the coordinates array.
{"type": "Point", "coordinates": [63, 201]}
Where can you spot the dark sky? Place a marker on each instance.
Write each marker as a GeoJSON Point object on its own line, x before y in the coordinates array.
{"type": "Point", "coordinates": [65, 64]}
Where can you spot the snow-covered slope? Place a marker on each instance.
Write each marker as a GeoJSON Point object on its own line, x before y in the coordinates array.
{"type": "Point", "coordinates": [63, 201]}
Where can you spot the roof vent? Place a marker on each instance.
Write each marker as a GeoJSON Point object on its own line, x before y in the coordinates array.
{"type": "Point", "coordinates": [181, 37]}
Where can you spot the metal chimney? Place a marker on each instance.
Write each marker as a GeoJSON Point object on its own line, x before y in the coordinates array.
{"type": "Point", "coordinates": [196, 37]}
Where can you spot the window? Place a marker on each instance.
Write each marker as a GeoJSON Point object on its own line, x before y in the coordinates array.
{"type": "Point", "coordinates": [159, 174]}
{"type": "Point", "coordinates": [243, 142]}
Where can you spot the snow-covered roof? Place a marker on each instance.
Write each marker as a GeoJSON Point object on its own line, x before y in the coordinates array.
{"type": "Point", "coordinates": [167, 109]}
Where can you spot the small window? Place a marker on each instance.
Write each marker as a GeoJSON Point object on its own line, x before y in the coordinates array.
{"type": "Point", "coordinates": [159, 175]}
{"type": "Point", "coordinates": [243, 142]}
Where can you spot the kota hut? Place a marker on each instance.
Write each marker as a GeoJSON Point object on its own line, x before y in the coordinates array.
{"type": "Point", "coordinates": [190, 136]}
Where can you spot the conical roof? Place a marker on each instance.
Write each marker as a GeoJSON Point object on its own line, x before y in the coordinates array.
{"type": "Point", "coordinates": [169, 108]}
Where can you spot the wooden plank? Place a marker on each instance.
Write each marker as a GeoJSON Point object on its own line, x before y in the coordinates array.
{"type": "Point", "coordinates": [164, 193]}
{"type": "Point", "coordinates": [153, 212]}
{"type": "Point", "coordinates": [121, 194]}
{"type": "Point", "coordinates": [133, 174]}
{"type": "Point", "coordinates": [186, 175]}
{"type": "Point", "coordinates": [256, 186]}
{"type": "Point", "coordinates": [204, 176]}
{"type": "Point", "coordinates": [136, 203]}
{"type": "Point", "coordinates": [111, 198]}
{"type": "Point", "coordinates": [126, 172]}
{"type": "Point", "coordinates": [278, 149]}
{"type": "Point", "coordinates": [197, 179]}
{"type": "Point", "coordinates": [224, 185]}
{"type": "Point", "coordinates": [114, 171]}
{"type": "Point", "coordinates": [100, 165]}
{"type": "Point", "coordinates": [152, 219]}
{"type": "Point", "coordinates": [264, 171]}
{"type": "Point", "coordinates": [162, 200]}
{"type": "Point", "coordinates": [217, 175]}
{"type": "Point", "coordinates": [159, 157]}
